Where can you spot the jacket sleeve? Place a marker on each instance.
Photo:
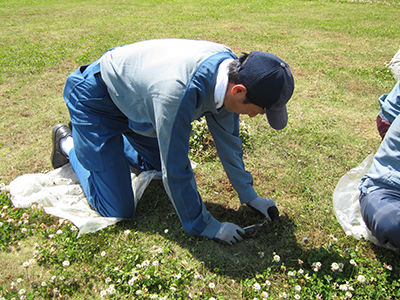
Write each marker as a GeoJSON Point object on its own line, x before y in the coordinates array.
{"type": "Point", "coordinates": [224, 128]}
{"type": "Point", "coordinates": [173, 127]}
{"type": "Point", "coordinates": [178, 177]}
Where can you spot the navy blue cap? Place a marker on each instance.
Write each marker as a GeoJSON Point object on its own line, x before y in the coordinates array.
{"type": "Point", "coordinates": [269, 82]}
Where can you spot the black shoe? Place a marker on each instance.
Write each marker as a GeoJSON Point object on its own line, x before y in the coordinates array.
{"type": "Point", "coordinates": [58, 158]}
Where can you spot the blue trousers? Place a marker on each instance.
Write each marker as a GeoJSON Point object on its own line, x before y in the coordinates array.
{"type": "Point", "coordinates": [380, 210]}
{"type": "Point", "coordinates": [104, 145]}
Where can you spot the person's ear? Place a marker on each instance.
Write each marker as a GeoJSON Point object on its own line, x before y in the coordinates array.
{"type": "Point", "coordinates": [238, 89]}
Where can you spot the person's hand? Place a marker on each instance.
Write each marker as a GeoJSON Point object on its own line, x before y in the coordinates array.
{"type": "Point", "coordinates": [266, 206]}
{"type": "Point", "coordinates": [229, 233]}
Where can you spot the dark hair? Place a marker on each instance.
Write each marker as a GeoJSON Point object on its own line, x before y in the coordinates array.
{"type": "Point", "coordinates": [233, 75]}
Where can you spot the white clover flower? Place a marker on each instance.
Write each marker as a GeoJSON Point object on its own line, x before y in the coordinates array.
{"type": "Point", "coordinates": [155, 263]}
{"type": "Point", "coordinates": [145, 263]}
{"type": "Point", "coordinates": [65, 264]}
{"type": "Point", "coordinates": [256, 287]}
{"type": "Point", "coordinates": [10, 221]}
{"type": "Point", "coordinates": [284, 295]}
{"type": "Point", "coordinates": [25, 264]}
{"type": "Point", "coordinates": [53, 278]}
{"type": "Point", "coordinates": [361, 278]}
{"type": "Point", "coordinates": [297, 297]}
{"type": "Point", "coordinates": [138, 292]}
{"type": "Point", "coordinates": [74, 228]}
{"type": "Point", "coordinates": [389, 267]}
{"type": "Point", "coordinates": [343, 287]}
{"type": "Point", "coordinates": [297, 288]}
{"type": "Point", "coordinates": [264, 295]}
{"type": "Point", "coordinates": [24, 230]}
{"type": "Point", "coordinates": [5, 207]}
{"type": "Point", "coordinates": [21, 292]}
{"type": "Point", "coordinates": [19, 280]}
{"type": "Point", "coordinates": [132, 280]}
{"type": "Point", "coordinates": [267, 282]}
{"type": "Point", "coordinates": [352, 262]}
{"type": "Point", "coordinates": [301, 271]}
{"type": "Point", "coordinates": [305, 241]}
{"type": "Point", "coordinates": [211, 285]}
{"type": "Point", "coordinates": [291, 274]}
{"type": "Point", "coordinates": [103, 253]}
{"type": "Point", "coordinates": [166, 231]}
{"type": "Point", "coordinates": [61, 278]}
{"type": "Point", "coordinates": [172, 289]}
{"type": "Point", "coordinates": [308, 277]}
{"type": "Point", "coordinates": [107, 280]}
{"type": "Point", "coordinates": [212, 298]}
{"type": "Point", "coordinates": [341, 266]}
{"type": "Point", "coordinates": [178, 276]}
{"type": "Point", "coordinates": [127, 232]}
{"type": "Point", "coordinates": [111, 290]}
{"type": "Point", "coordinates": [348, 295]}
{"type": "Point", "coordinates": [59, 231]}
{"type": "Point", "coordinates": [51, 236]}
{"type": "Point", "coordinates": [335, 266]}
{"type": "Point", "coordinates": [333, 238]}
{"type": "Point", "coordinates": [44, 283]}
{"type": "Point", "coordinates": [198, 277]}
{"type": "Point", "coordinates": [316, 266]}
{"type": "Point", "coordinates": [277, 258]}
{"type": "Point", "coordinates": [103, 294]}
{"type": "Point", "coordinates": [153, 296]}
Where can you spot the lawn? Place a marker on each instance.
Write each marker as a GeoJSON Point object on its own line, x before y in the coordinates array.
{"type": "Point", "coordinates": [338, 52]}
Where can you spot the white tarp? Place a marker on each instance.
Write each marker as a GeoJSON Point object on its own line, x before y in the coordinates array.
{"type": "Point", "coordinates": [347, 206]}
{"type": "Point", "coordinates": [394, 66]}
{"type": "Point", "coordinates": [60, 194]}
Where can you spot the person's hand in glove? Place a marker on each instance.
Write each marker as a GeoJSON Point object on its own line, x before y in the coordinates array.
{"type": "Point", "coordinates": [266, 206]}
{"type": "Point", "coordinates": [229, 233]}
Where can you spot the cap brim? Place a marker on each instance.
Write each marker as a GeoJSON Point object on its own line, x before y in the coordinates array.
{"type": "Point", "coordinates": [277, 118]}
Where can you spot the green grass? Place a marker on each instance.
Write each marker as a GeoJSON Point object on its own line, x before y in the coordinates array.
{"type": "Point", "coordinates": [338, 52]}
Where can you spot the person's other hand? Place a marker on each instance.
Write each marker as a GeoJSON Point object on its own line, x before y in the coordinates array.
{"type": "Point", "coordinates": [229, 233]}
{"type": "Point", "coordinates": [266, 206]}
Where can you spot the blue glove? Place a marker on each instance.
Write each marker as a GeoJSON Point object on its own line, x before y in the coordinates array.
{"type": "Point", "coordinates": [229, 233]}
{"type": "Point", "coordinates": [266, 206]}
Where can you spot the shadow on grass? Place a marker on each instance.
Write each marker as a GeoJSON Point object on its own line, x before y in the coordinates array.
{"type": "Point", "coordinates": [243, 260]}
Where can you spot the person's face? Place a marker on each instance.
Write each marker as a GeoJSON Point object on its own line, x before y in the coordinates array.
{"type": "Point", "coordinates": [236, 94]}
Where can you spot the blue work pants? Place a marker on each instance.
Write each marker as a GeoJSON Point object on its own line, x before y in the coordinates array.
{"type": "Point", "coordinates": [104, 145]}
{"type": "Point", "coordinates": [381, 213]}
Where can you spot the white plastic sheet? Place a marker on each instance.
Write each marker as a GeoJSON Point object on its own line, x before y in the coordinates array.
{"type": "Point", "coordinates": [394, 66]}
{"type": "Point", "coordinates": [347, 206]}
{"type": "Point", "coordinates": [60, 194]}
